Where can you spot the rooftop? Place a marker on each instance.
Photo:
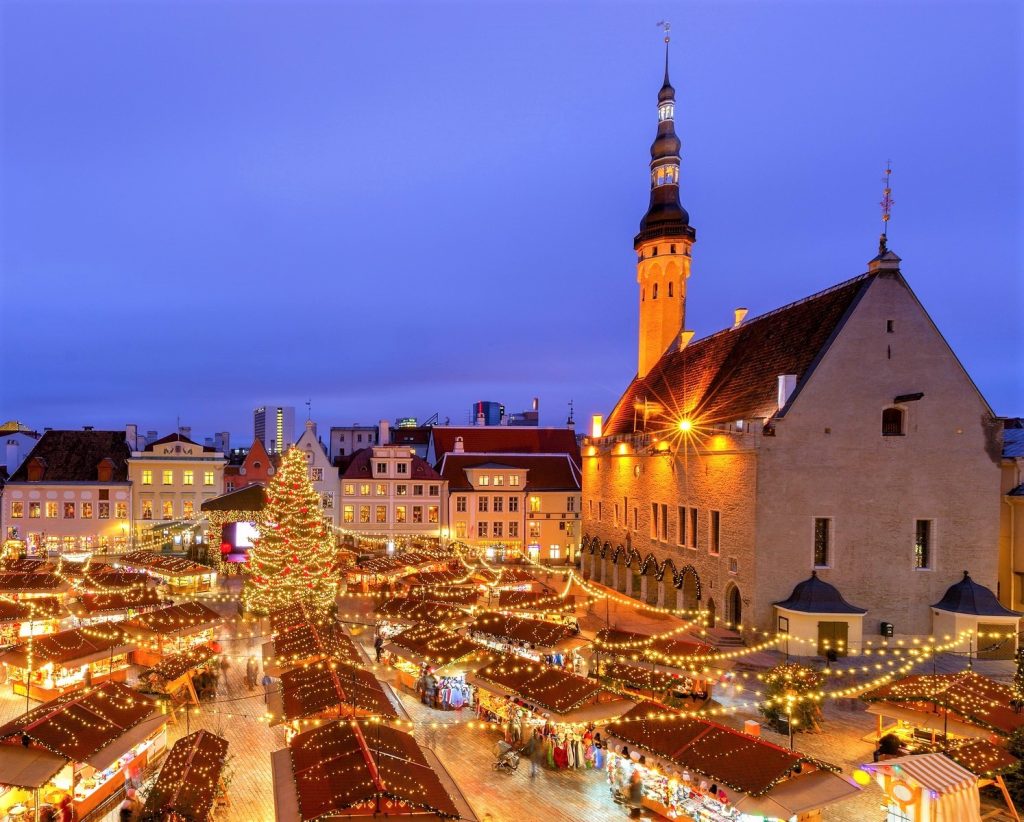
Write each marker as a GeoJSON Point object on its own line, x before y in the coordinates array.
{"type": "Point", "coordinates": [75, 456]}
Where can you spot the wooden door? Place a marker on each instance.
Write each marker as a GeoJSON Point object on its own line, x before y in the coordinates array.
{"type": "Point", "coordinates": [833, 635]}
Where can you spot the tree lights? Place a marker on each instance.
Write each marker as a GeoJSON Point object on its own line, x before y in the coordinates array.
{"type": "Point", "coordinates": [293, 559]}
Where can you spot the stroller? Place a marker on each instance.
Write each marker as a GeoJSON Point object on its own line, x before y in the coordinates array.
{"type": "Point", "coordinates": [508, 757]}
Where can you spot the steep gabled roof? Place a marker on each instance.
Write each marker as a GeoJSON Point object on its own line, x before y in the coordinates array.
{"type": "Point", "coordinates": [733, 374]}
{"type": "Point", "coordinates": [501, 439]}
{"type": "Point", "coordinates": [545, 472]}
{"type": "Point", "coordinates": [358, 466]}
{"type": "Point", "coordinates": [74, 456]}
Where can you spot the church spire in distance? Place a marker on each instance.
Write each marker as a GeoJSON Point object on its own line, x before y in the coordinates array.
{"type": "Point", "coordinates": [663, 243]}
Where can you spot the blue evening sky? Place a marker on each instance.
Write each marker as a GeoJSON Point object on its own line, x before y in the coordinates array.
{"type": "Point", "coordinates": [400, 208]}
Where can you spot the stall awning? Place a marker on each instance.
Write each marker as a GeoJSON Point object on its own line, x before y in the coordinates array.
{"type": "Point", "coordinates": [28, 767]}
{"type": "Point", "coordinates": [286, 796]}
{"type": "Point", "coordinates": [936, 772]}
{"type": "Point", "coordinates": [928, 720]}
{"type": "Point", "coordinates": [126, 741]}
{"type": "Point", "coordinates": [799, 794]}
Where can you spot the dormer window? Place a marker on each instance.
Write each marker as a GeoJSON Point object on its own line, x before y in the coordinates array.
{"type": "Point", "coordinates": [893, 420]}
{"type": "Point", "coordinates": [485, 480]}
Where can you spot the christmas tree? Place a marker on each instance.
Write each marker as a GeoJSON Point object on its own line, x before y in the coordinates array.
{"type": "Point", "coordinates": [293, 558]}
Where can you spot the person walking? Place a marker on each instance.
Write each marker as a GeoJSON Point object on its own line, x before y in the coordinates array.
{"type": "Point", "coordinates": [636, 793]}
{"type": "Point", "coordinates": [536, 753]}
{"type": "Point", "coordinates": [252, 672]}
{"type": "Point", "coordinates": [267, 682]}
{"type": "Point", "coordinates": [378, 645]}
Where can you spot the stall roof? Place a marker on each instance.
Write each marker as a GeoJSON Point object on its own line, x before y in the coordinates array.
{"type": "Point", "coordinates": [28, 767]}
{"type": "Point", "coordinates": [188, 779]}
{"type": "Point", "coordinates": [27, 609]}
{"type": "Point", "coordinates": [338, 769]}
{"type": "Point", "coordinates": [176, 666]}
{"type": "Point", "coordinates": [310, 640]}
{"type": "Point", "coordinates": [547, 600]}
{"type": "Point", "coordinates": [314, 689]}
{"type": "Point", "coordinates": [547, 686]}
{"type": "Point", "coordinates": [532, 631]}
{"type": "Point", "coordinates": [108, 580]}
{"type": "Point", "coordinates": [289, 616]}
{"type": "Point", "coordinates": [78, 645]}
{"type": "Point", "coordinates": [934, 771]}
{"type": "Point", "coordinates": [432, 644]}
{"type": "Point", "coordinates": [662, 649]}
{"type": "Point", "coordinates": [80, 724]}
{"type": "Point", "coordinates": [27, 565]}
{"type": "Point", "coordinates": [399, 562]}
{"type": "Point", "coordinates": [165, 564]}
{"type": "Point", "coordinates": [461, 576]}
{"type": "Point", "coordinates": [29, 583]}
{"type": "Point", "coordinates": [507, 575]}
{"type": "Point", "coordinates": [967, 694]}
{"type": "Point", "coordinates": [446, 595]}
{"type": "Point", "coordinates": [176, 620]}
{"type": "Point", "coordinates": [406, 609]}
{"type": "Point", "coordinates": [982, 758]}
{"type": "Point", "coordinates": [744, 763]}
{"type": "Point", "coordinates": [638, 677]}
{"type": "Point", "coordinates": [130, 598]}
{"type": "Point", "coordinates": [799, 794]}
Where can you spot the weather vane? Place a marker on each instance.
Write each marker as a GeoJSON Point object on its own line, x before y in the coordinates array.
{"type": "Point", "coordinates": [666, 26]}
{"type": "Point", "coordinates": [309, 409]}
{"type": "Point", "coordinates": [886, 204]}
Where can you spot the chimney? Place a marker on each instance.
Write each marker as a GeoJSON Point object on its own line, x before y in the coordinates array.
{"type": "Point", "coordinates": [536, 403]}
{"type": "Point", "coordinates": [131, 434]}
{"type": "Point", "coordinates": [596, 425]}
{"type": "Point", "coordinates": [460, 447]}
{"type": "Point", "coordinates": [684, 339]}
{"type": "Point", "coordinates": [383, 433]}
{"type": "Point", "coordinates": [185, 431]}
{"type": "Point", "coordinates": [787, 382]}
{"type": "Point", "coordinates": [738, 316]}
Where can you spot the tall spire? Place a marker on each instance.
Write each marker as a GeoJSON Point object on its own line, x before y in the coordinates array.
{"type": "Point", "coordinates": [886, 259]}
{"type": "Point", "coordinates": [665, 216]}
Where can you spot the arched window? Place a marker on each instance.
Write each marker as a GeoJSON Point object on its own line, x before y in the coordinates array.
{"type": "Point", "coordinates": [670, 289]}
{"type": "Point", "coordinates": [892, 422]}
{"type": "Point", "coordinates": [654, 292]}
{"type": "Point", "coordinates": [643, 294]}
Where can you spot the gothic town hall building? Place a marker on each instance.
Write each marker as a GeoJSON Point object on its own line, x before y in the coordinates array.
{"type": "Point", "coordinates": [829, 461]}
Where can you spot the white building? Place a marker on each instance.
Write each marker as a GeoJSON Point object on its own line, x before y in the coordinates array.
{"type": "Point", "coordinates": [347, 439]}
{"type": "Point", "coordinates": [322, 472]}
{"type": "Point", "coordinates": [17, 441]}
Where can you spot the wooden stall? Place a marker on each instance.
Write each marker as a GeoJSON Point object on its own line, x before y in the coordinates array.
{"type": "Point", "coordinates": [394, 614]}
{"type": "Point", "coordinates": [20, 586]}
{"type": "Point", "coordinates": [190, 785]}
{"type": "Point", "coordinates": [180, 575]}
{"type": "Point", "coordinates": [172, 676]}
{"type": "Point", "coordinates": [172, 630]}
{"type": "Point", "coordinates": [694, 768]}
{"type": "Point", "coordinates": [371, 774]}
{"type": "Point", "coordinates": [446, 655]}
{"type": "Point", "coordinates": [298, 640]}
{"type": "Point", "coordinates": [531, 638]}
{"type": "Point", "coordinates": [88, 741]}
{"type": "Point", "coordinates": [19, 620]}
{"type": "Point", "coordinates": [57, 663]}
{"type": "Point", "coordinates": [383, 573]}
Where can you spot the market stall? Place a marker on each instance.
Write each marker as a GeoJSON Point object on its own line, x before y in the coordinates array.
{"type": "Point", "coordinates": [182, 576]}
{"type": "Point", "coordinates": [27, 565]}
{"type": "Point", "coordinates": [190, 781]}
{"type": "Point", "coordinates": [19, 620]}
{"type": "Point", "coordinates": [693, 768]}
{"type": "Point", "coordinates": [523, 696]}
{"type": "Point", "coordinates": [678, 690]}
{"type": "Point", "coordinates": [676, 650]}
{"type": "Point", "coordinates": [395, 614]}
{"type": "Point", "coordinates": [100, 735]}
{"type": "Point", "coordinates": [531, 638]}
{"type": "Point", "coordinates": [320, 692]}
{"type": "Point", "coordinates": [22, 586]}
{"type": "Point", "coordinates": [115, 606]}
{"type": "Point", "coordinates": [371, 773]}
{"type": "Point", "coordinates": [57, 663]}
{"type": "Point", "coordinates": [172, 630]}
{"type": "Point", "coordinates": [441, 658]}
{"type": "Point", "coordinates": [297, 644]}
{"type": "Point", "coordinates": [384, 572]}
{"type": "Point", "coordinates": [927, 788]}
{"type": "Point", "coordinates": [928, 707]}
{"type": "Point", "coordinates": [173, 675]}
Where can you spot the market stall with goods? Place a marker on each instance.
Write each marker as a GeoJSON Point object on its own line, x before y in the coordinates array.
{"type": "Point", "coordinates": [384, 572]}
{"type": "Point", "coordinates": [927, 788]}
{"type": "Point", "coordinates": [54, 664]}
{"type": "Point", "coordinates": [190, 783]}
{"type": "Point", "coordinates": [692, 768]}
{"type": "Point", "coordinates": [371, 772]}
{"type": "Point", "coordinates": [172, 630]}
{"type": "Point", "coordinates": [23, 586]}
{"type": "Point", "coordinates": [81, 746]}
{"type": "Point", "coordinates": [395, 614]}
{"type": "Point", "coordinates": [173, 676]}
{"type": "Point", "coordinates": [531, 638]}
{"type": "Point", "coordinates": [677, 689]}
{"type": "Point", "coordinates": [434, 662]}
{"type": "Point", "coordinates": [523, 696]}
{"type": "Point", "coordinates": [180, 575]}
{"type": "Point", "coordinates": [19, 620]}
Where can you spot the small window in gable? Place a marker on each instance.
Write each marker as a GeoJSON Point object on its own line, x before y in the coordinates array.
{"type": "Point", "coordinates": [893, 422]}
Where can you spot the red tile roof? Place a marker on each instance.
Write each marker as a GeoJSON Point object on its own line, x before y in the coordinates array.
{"type": "Point", "coordinates": [73, 456]}
{"type": "Point", "coordinates": [733, 374]}
{"type": "Point", "coordinates": [501, 439]}
{"type": "Point", "coordinates": [358, 466]}
{"type": "Point", "coordinates": [545, 472]}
